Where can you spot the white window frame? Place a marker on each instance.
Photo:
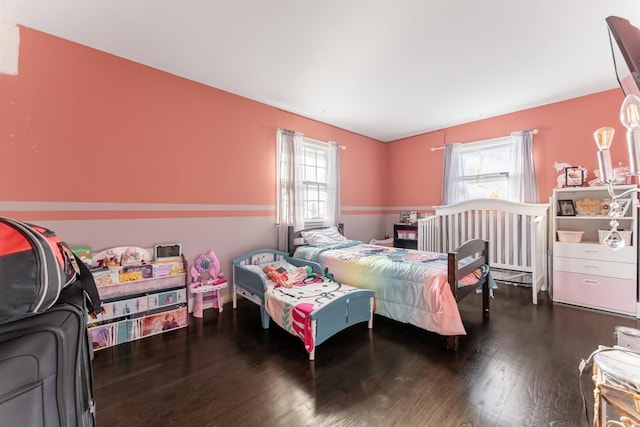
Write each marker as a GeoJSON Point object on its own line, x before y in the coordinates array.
{"type": "Point", "coordinates": [314, 185]}
{"type": "Point", "coordinates": [314, 181]}
{"type": "Point", "coordinates": [483, 175]}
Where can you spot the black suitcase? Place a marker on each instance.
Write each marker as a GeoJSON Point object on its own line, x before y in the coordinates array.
{"type": "Point", "coordinates": [46, 376]}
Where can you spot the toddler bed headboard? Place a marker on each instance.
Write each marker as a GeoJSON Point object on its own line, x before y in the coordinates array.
{"type": "Point", "coordinates": [516, 232]}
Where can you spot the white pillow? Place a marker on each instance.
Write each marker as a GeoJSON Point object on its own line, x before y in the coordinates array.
{"type": "Point", "coordinates": [323, 237]}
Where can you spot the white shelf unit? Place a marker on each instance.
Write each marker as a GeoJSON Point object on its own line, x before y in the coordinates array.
{"type": "Point", "coordinates": [588, 273]}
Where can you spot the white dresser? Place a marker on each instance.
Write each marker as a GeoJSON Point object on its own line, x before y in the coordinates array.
{"type": "Point", "coordinates": [587, 273]}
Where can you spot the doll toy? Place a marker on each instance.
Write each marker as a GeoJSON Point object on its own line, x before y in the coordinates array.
{"type": "Point", "coordinates": [277, 276]}
{"type": "Point", "coordinates": [281, 277]}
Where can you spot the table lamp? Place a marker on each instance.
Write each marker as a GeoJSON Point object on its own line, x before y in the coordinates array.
{"type": "Point", "coordinates": [630, 118]}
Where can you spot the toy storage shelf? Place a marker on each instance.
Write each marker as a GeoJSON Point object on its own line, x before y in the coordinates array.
{"type": "Point", "coordinates": [152, 284]}
{"type": "Point", "coordinates": [140, 308]}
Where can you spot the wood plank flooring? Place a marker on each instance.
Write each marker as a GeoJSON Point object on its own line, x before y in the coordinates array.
{"type": "Point", "coordinates": [519, 368]}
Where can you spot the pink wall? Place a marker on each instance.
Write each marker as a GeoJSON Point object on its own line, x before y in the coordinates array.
{"type": "Point", "coordinates": [565, 134]}
{"type": "Point", "coordinates": [80, 125]}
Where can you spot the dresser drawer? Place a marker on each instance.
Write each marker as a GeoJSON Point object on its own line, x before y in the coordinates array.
{"type": "Point", "coordinates": [606, 293]}
{"type": "Point", "coordinates": [594, 251]}
{"type": "Point", "coordinates": [593, 267]}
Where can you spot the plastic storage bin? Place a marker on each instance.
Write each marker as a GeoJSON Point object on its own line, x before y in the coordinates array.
{"type": "Point", "coordinates": [569, 236]}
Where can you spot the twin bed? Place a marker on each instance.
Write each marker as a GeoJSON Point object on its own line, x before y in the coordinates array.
{"type": "Point", "coordinates": [416, 287]}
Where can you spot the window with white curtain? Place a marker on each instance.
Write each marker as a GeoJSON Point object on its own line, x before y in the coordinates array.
{"type": "Point", "coordinates": [308, 183]}
{"type": "Point", "coordinates": [499, 168]}
{"type": "Point", "coordinates": [485, 171]}
{"type": "Point", "coordinates": [314, 181]}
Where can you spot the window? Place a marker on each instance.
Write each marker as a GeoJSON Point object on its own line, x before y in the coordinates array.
{"type": "Point", "coordinates": [308, 182]}
{"type": "Point", "coordinates": [485, 169]}
{"type": "Point", "coordinates": [500, 168]}
{"type": "Point", "coordinates": [314, 181]}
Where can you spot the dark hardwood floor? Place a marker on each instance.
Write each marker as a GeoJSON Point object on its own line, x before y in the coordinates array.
{"type": "Point", "coordinates": [519, 368]}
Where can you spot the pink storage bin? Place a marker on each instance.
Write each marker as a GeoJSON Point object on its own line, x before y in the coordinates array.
{"type": "Point", "coordinates": [570, 236]}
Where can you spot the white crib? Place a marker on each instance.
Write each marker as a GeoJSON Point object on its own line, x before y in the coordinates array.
{"type": "Point", "coordinates": [516, 232]}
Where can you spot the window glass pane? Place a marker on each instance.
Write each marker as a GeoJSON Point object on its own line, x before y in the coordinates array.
{"type": "Point", "coordinates": [314, 181]}
{"type": "Point", "coordinates": [322, 210]}
{"type": "Point", "coordinates": [313, 206]}
{"type": "Point", "coordinates": [487, 188]}
{"type": "Point", "coordinates": [485, 169]}
{"type": "Point", "coordinates": [322, 160]}
{"type": "Point", "coordinates": [309, 173]}
{"type": "Point", "coordinates": [321, 175]}
{"type": "Point", "coordinates": [315, 165]}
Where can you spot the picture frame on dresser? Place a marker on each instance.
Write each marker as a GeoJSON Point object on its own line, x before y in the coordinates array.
{"type": "Point", "coordinates": [624, 205]}
{"type": "Point", "coordinates": [566, 208]}
{"type": "Point", "coordinates": [574, 176]}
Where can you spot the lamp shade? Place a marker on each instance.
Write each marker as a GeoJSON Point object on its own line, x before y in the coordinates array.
{"type": "Point", "coordinates": [630, 111]}
{"type": "Point", "coordinates": [630, 118]}
{"type": "Point", "coordinates": [604, 137]}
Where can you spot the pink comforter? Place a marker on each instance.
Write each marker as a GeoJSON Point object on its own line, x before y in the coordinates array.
{"type": "Point", "coordinates": [411, 286]}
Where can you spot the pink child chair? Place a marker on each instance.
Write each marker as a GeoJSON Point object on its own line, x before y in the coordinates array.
{"type": "Point", "coordinates": [206, 277]}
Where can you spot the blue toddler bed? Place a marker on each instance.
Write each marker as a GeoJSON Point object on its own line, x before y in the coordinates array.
{"type": "Point", "coordinates": [314, 308]}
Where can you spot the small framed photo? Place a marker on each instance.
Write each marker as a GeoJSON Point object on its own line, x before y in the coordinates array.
{"type": "Point", "coordinates": [173, 250]}
{"type": "Point", "coordinates": [624, 206]}
{"type": "Point", "coordinates": [566, 208]}
{"type": "Point", "coordinates": [410, 217]}
{"type": "Point", "coordinates": [574, 177]}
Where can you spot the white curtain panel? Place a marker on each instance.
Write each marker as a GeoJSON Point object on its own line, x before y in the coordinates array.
{"type": "Point", "coordinates": [333, 185]}
{"type": "Point", "coordinates": [451, 188]}
{"type": "Point", "coordinates": [524, 187]}
{"type": "Point", "coordinates": [289, 209]}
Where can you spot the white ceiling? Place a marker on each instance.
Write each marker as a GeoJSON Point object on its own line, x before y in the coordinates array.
{"type": "Point", "coordinates": [386, 69]}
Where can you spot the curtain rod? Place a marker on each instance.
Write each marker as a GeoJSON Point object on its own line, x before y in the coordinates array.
{"type": "Point", "coordinates": [317, 141]}
{"type": "Point", "coordinates": [534, 131]}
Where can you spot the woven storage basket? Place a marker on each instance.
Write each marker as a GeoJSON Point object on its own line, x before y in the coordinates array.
{"type": "Point", "coordinates": [626, 235]}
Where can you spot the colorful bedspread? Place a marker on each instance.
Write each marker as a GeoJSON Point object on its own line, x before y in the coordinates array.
{"type": "Point", "coordinates": [292, 308]}
{"type": "Point", "coordinates": [410, 286]}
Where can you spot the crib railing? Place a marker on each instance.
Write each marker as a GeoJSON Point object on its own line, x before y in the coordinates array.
{"type": "Point", "coordinates": [516, 232]}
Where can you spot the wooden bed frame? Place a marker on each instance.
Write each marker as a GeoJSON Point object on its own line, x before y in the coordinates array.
{"type": "Point", "coordinates": [517, 233]}
{"type": "Point", "coordinates": [479, 249]}
{"type": "Point", "coordinates": [344, 311]}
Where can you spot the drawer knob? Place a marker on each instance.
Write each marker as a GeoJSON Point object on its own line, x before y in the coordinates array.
{"type": "Point", "coordinates": [591, 282]}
